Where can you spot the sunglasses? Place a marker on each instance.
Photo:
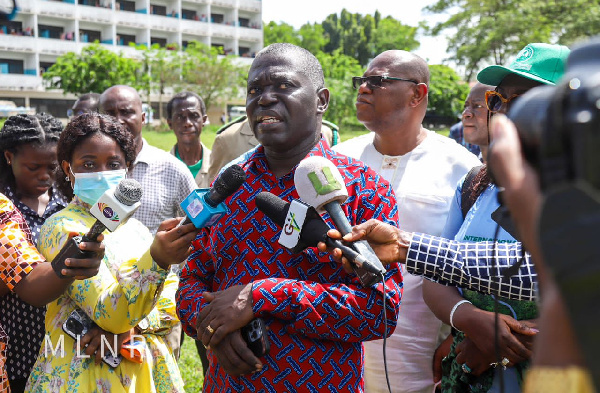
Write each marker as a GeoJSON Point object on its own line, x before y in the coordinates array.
{"type": "Point", "coordinates": [495, 100]}
{"type": "Point", "coordinates": [376, 81]}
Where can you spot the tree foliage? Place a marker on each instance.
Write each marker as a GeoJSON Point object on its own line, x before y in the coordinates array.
{"type": "Point", "coordinates": [493, 30]}
{"type": "Point", "coordinates": [359, 36]}
{"type": "Point", "coordinates": [95, 69]}
{"type": "Point", "coordinates": [447, 92]}
{"type": "Point", "coordinates": [211, 76]}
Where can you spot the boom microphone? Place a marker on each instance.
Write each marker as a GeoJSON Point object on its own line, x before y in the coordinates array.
{"type": "Point", "coordinates": [112, 208]}
{"type": "Point", "coordinates": [301, 225]}
{"type": "Point", "coordinates": [204, 206]}
{"type": "Point", "coordinates": [320, 184]}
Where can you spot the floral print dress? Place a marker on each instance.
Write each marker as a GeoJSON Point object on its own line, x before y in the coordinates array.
{"type": "Point", "coordinates": [129, 290]}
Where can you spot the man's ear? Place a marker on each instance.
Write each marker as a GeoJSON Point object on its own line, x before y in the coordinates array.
{"type": "Point", "coordinates": [420, 94]}
{"type": "Point", "coordinates": [322, 100]}
{"type": "Point", "coordinates": [169, 123]}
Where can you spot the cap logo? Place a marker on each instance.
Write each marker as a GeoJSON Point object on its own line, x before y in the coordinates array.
{"type": "Point", "coordinates": [525, 54]}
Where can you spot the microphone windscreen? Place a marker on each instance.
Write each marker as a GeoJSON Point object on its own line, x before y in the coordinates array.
{"type": "Point", "coordinates": [318, 181]}
{"type": "Point", "coordinates": [230, 180]}
{"type": "Point", "coordinates": [128, 192]}
{"type": "Point", "coordinates": [273, 207]}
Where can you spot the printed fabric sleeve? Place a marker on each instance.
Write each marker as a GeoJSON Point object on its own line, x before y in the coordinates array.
{"type": "Point", "coordinates": [18, 255]}
{"type": "Point", "coordinates": [333, 309]}
{"type": "Point", "coordinates": [163, 316]}
{"type": "Point", "coordinates": [480, 266]}
{"type": "Point", "coordinates": [195, 278]}
{"type": "Point", "coordinates": [128, 283]}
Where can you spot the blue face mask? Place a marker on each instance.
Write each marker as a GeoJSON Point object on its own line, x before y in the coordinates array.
{"type": "Point", "coordinates": [89, 187]}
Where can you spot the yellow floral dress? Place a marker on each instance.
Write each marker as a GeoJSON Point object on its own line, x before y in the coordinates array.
{"type": "Point", "coordinates": [129, 290]}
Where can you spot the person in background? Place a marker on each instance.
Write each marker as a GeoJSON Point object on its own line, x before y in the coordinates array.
{"type": "Point", "coordinates": [457, 133]}
{"type": "Point", "coordinates": [27, 177]}
{"type": "Point", "coordinates": [186, 115]}
{"type": "Point", "coordinates": [133, 291]}
{"type": "Point", "coordinates": [166, 181]}
{"type": "Point", "coordinates": [236, 138]}
{"type": "Point", "coordinates": [423, 169]}
{"type": "Point", "coordinates": [317, 315]}
{"type": "Point", "coordinates": [85, 103]}
{"type": "Point", "coordinates": [23, 270]}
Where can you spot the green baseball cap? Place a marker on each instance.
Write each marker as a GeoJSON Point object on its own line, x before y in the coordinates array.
{"type": "Point", "coordinates": [543, 63]}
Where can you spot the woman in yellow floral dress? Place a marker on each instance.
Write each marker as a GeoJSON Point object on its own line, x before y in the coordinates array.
{"type": "Point", "coordinates": [132, 293]}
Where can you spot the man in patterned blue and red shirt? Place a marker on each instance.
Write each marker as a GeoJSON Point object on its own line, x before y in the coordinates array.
{"type": "Point", "coordinates": [317, 314]}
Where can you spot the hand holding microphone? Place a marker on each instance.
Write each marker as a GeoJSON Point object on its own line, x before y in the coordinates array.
{"type": "Point", "coordinates": [204, 206]}
{"type": "Point", "coordinates": [115, 206]}
{"type": "Point", "coordinates": [320, 184]}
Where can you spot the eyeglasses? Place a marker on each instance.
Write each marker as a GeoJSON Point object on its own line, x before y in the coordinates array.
{"type": "Point", "coordinates": [376, 81]}
{"type": "Point", "coordinates": [495, 100]}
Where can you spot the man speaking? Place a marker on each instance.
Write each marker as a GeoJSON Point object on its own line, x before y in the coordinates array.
{"type": "Point", "coordinates": [317, 315]}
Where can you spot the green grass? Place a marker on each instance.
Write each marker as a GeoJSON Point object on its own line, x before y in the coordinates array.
{"type": "Point", "coordinates": [190, 366]}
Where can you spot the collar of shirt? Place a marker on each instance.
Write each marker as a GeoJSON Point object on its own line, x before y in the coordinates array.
{"type": "Point", "coordinates": [57, 202]}
{"type": "Point", "coordinates": [145, 155]}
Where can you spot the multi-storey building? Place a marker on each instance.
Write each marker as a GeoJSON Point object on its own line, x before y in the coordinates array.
{"type": "Point", "coordinates": [44, 30]}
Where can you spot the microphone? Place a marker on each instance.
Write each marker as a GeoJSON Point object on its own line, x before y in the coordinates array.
{"type": "Point", "coordinates": [204, 206]}
{"type": "Point", "coordinates": [115, 206]}
{"type": "Point", "coordinates": [320, 184]}
{"type": "Point", "coordinates": [303, 227]}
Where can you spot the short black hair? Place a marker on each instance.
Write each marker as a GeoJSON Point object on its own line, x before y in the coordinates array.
{"type": "Point", "coordinates": [83, 127]}
{"type": "Point", "coordinates": [20, 130]}
{"type": "Point", "coordinates": [309, 64]}
{"type": "Point", "coordinates": [93, 98]}
{"type": "Point", "coordinates": [184, 95]}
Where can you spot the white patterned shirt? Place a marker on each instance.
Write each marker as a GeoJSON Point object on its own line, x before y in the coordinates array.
{"type": "Point", "coordinates": [165, 181]}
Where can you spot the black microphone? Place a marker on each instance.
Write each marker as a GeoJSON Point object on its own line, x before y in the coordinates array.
{"type": "Point", "coordinates": [303, 227]}
{"type": "Point", "coordinates": [320, 184]}
{"type": "Point", "coordinates": [203, 207]}
{"type": "Point", "coordinates": [111, 209]}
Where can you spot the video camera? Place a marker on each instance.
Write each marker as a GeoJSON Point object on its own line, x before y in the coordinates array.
{"type": "Point", "coordinates": [559, 125]}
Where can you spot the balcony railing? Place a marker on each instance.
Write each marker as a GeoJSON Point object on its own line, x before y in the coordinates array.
{"type": "Point", "coordinates": [194, 27]}
{"type": "Point", "coordinates": [132, 19]}
{"type": "Point", "coordinates": [220, 30]}
{"type": "Point", "coordinates": [15, 43]}
{"type": "Point", "coordinates": [250, 5]}
{"type": "Point", "coordinates": [20, 82]}
{"type": "Point", "coordinates": [159, 22]}
{"type": "Point", "coordinates": [56, 9]}
{"type": "Point", "coordinates": [95, 14]}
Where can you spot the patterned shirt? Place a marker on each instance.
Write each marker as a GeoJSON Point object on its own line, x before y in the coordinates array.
{"type": "Point", "coordinates": [469, 265]}
{"type": "Point", "coordinates": [18, 255]}
{"type": "Point", "coordinates": [317, 314]}
{"type": "Point", "coordinates": [165, 181]}
{"type": "Point", "coordinates": [24, 323]}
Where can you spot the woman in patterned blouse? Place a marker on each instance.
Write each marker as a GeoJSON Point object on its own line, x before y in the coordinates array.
{"type": "Point", "coordinates": [132, 294]}
{"type": "Point", "coordinates": [27, 177]}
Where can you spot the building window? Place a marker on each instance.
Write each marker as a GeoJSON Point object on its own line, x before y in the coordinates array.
{"type": "Point", "coordinates": [160, 41]}
{"type": "Point", "coordinates": [125, 39]}
{"type": "Point", "coordinates": [189, 14]}
{"type": "Point", "coordinates": [244, 51]}
{"type": "Point", "coordinates": [10, 66]}
{"type": "Point", "coordinates": [51, 32]}
{"type": "Point", "coordinates": [244, 22]}
{"type": "Point", "coordinates": [124, 5]}
{"type": "Point", "coordinates": [158, 10]}
{"type": "Point", "coordinates": [89, 35]}
{"type": "Point", "coordinates": [217, 18]}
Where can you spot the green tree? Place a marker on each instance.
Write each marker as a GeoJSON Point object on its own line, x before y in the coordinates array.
{"type": "Point", "coordinates": [210, 75]}
{"type": "Point", "coordinates": [161, 70]}
{"type": "Point", "coordinates": [391, 34]}
{"type": "Point", "coordinates": [338, 70]}
{"type": "Point", "coordinates": [486, 31]}
{"type": "Point", "coordinates": [93, 70]}
{"type": "Point", "coordinates": [447, 92]}
{"type": "Point", "coordinates": [312, 37]}
{"type": "Point", "coordinates": [277, 33]}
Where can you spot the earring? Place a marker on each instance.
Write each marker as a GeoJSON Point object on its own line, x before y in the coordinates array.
{"type": "Point", "coordinates": [67, 178]}
{"type": "Point", "coordinates": [8, 162]}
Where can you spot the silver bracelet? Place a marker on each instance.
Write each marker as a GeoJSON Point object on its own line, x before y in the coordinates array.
{"type": "Point", "coordinates": [454, 310]}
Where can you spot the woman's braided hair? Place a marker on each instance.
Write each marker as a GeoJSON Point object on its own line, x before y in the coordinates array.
{"type": "Point", "coordinates": [20, 130]}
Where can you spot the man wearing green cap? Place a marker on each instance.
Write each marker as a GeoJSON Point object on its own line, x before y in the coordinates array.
{"type": "Point", "coordinates": [469, 365]}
